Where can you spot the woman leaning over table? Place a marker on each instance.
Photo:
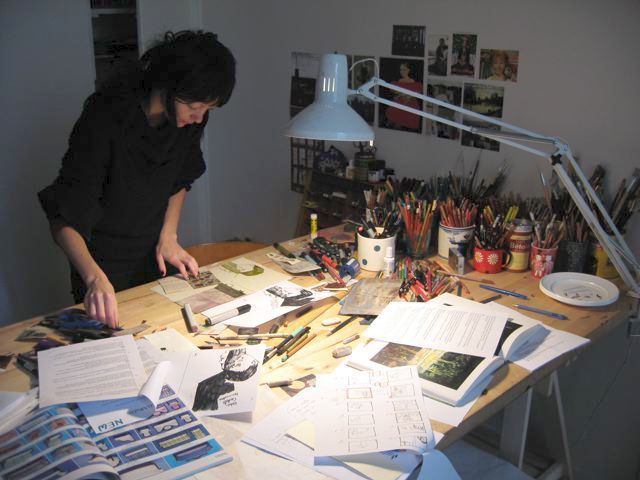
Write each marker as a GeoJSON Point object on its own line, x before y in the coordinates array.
{"type": "Point", "coordinates": [133, 154]}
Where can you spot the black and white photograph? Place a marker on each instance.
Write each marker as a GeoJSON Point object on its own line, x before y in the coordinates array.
{"type": "Point", "coordinates": [362, 72]}
{"type": "Point", "coordinates": [408, 40]}
{"type": "Point", "coordinates": [463, 54]}
{"type": "Point", "coordinates": [446, 91]}
{"type": "Point", "coordinates": [408, 74]}
{"type": "Point", "coordinates": [303, 81]}
{"type": "Point", "coordinates": [438, 55]}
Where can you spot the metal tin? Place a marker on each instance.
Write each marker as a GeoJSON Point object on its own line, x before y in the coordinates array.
{"type": "Point", "coordinates": [520, 245]}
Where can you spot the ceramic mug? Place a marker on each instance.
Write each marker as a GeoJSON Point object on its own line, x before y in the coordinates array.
{"type": "Point", "coordinates": [542, 260]}
{"type": "Point", "coordinates": [490, 261]}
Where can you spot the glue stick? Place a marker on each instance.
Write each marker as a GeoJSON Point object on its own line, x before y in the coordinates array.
{"type": "Point", "coordinates": [314, 225]}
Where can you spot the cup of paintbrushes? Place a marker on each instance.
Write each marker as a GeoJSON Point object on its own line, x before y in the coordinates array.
{"type": "Point", "coordinates": [542, 260]}
{"type": "Point", "coordinates": [572, 256]}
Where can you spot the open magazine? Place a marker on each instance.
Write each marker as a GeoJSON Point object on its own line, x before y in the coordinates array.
{"type": "Point", "coordinates": [57, 441]}
{"type": "Point", "coordinates": [450, 377]}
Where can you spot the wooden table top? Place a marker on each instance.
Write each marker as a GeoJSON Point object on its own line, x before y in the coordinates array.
{"type": "Point", "coordinates": [510, 381]}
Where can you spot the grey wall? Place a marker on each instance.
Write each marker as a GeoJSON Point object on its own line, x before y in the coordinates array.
{"type": "Point", "coordinates": [577, 79]}
{"type": "Point", "coordinates": [47, 70]}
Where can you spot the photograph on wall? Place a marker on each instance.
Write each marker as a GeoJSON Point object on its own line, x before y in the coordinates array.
{"type": "Point", "coordinates": [463, 54]}
{"type": "Point", "coordinates": [304, 70]}
{"type": "Point", "coordinates": [405, 73]}
{"type": "Point", "coordinates": [360, 74]}
{"type": "Point", "coordinates": [485, 99]}
{"type": "Point", "coordinates": [408, 40]}
{"type": "Point", "coordinates": [437, 54]}
{"type": "Point", "coordinates": [500, 65]}
{"type": "Point", "coordinates": [479, 141]}
{"type": "Point", "coordinates": [450, 92]}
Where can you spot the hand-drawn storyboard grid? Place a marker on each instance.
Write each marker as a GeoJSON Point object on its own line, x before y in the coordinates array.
{"type": "Point", "coordinates": [371, 411]}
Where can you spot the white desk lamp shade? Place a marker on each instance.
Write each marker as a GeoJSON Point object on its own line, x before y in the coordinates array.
{"type": "Point", "coordinates": [330, 117]}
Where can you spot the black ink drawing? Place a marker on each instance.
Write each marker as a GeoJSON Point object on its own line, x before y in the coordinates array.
{"type": "Point", "coordinates": [237, 366]}
{"type": "Point", "coordinates": [291, 299]}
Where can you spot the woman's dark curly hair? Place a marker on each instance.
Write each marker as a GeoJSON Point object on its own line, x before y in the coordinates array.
{"type": "Point", "coordinates": [189, 66]}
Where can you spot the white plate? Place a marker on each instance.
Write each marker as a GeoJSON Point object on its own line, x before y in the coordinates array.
{"type": "Point", "coordinates": [579, 289]}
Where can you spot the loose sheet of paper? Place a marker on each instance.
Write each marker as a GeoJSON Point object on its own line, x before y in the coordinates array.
{"type": "Point", "coordinates": [217, 382]}
{"type": "Point", "coordinates": [442, 328]}
{"type": "Point", "coordinates": [371, 411]}
{"type": "Point", "coordinates": [279, 434]}
{"type": "Point", "coordinates": [170, 340]}
{"type": "Point", "coordinates": [268, 304]}
{"type": "Point", "coordinates": [98, 370]}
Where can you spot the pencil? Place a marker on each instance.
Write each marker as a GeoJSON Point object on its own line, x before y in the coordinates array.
{"type": "Point", "coordinates": [310, 337]}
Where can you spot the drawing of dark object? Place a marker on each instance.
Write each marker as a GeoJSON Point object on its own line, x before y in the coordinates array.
{"type": "Point", "coordinates": [237, 366]}
{"type": "Point", "coordinates": [302, 298]}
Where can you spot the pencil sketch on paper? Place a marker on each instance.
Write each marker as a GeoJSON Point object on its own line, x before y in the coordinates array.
{"type": "Point", "coordinates": [408, 417]}
{"type": "Point", "coordinates": [361, 419]}
{"type": "Point", "coordinates": [402, 390]}
{"type": "Point", "coordinates": [359, 393]}
{"type": "Point", "coordinates": [357, 406]}
{"type": "Point", "coordinates": [237, 366]}
{"type": "Point", "coordinates": [400, 405]}
{"type": "Point", "coordinates": [363, 446]}
{"type": "Point", "coordinates": [362, 432]}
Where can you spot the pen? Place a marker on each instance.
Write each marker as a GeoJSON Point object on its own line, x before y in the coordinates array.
{"type": "Point", "coordinates": [297, 342]}
{"type": "Point", "coordinates": [559, 316]}
{"type": "Point", "coordinates": [283, 250]}
{"type": "Point", "coordinates": [192, 326]}
{"type": "Point", "coordinates": [278, 383]}
{"type": "Point", "coordinates": [343, 324]}
{"type": "Point", "coordinates": [284, 345]}
{"type": "Point", "coordinates": [221, 317]}
{"type": "Point", "coordinates": [491, 298]}
{"type": "Point", "coordinates": [504, 292]}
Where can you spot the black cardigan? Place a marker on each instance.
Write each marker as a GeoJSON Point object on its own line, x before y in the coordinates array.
{"type": "Point", "coordinates": [117, 177]}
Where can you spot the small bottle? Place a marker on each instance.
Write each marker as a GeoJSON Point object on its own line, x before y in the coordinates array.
{"type": "Point", "coordinates": [314, 226]}
{"type": "Point", "coordinates": [389, 262]}
{"type": "Point", "coordinates": [349, 172]}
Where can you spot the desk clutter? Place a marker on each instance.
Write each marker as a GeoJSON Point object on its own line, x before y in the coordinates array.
{"type": "Point", "coordinates": [355, 345]}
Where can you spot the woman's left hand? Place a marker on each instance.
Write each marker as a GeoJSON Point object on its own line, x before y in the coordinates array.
{"type": "Point", "coordinates": [168, 250]}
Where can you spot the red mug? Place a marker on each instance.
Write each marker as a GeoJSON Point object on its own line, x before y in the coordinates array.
{"type": "Point", "coordinates": [490, 261]}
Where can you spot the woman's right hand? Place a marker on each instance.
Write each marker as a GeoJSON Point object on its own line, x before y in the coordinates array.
{"type": "Point", "coordinates": [100, 301]}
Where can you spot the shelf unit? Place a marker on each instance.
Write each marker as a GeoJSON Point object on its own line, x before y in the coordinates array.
{"type": "Point", "coordinates": [333, 198]}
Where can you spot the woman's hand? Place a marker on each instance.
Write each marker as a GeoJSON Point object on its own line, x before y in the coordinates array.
{"type": "Point", "coordinates": [100, 301]}
{"type": "Point", "coordinates": [169, 250]}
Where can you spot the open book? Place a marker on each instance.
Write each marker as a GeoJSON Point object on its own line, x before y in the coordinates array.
{"type": "Point", "coordinates": [57, 441]}
{"type": "Point", "coordinates": [450, 377]}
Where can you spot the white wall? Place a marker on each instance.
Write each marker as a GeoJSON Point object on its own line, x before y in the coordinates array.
{"type": "Point", "coordinates": [47, 71]}
{"type": "Point", "coordinates": [577, 79]}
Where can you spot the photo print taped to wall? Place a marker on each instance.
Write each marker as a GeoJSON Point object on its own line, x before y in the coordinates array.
{"type": "Point", "coordinates": [360, 74]}
{"type": "Point", "coordinates": [487, 100]}
{"type": "Point", "coordinates": [499, 65]}
{"type": "Point", "coordinates": [408, 40]}
{"type": "Point", "coordinates": [406, 73]}
{"type": "Point", "coordinates": [463, 54]}
{"type": "Point", "coordinates": [438, 55]}
{"type": "Point", "coordinates": [447, 91]}
{"type": "Point", "coordinates": [304, 71]}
